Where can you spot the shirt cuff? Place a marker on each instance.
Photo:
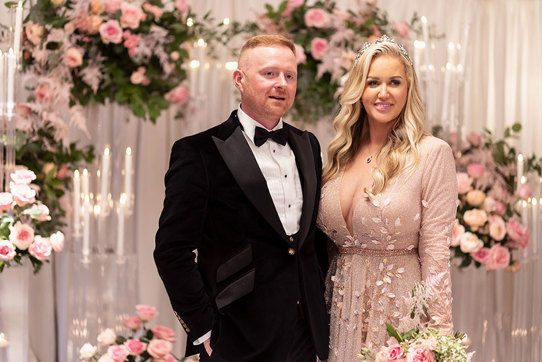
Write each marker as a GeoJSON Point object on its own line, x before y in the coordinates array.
{"type": "Point", "coordinates": [202, 339]}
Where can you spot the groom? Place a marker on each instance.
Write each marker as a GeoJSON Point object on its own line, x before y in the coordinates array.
{"type": "Point", "coordinates": [246, 199]}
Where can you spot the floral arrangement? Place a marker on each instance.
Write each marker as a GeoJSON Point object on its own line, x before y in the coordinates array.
{"type": "Point", "coordinates": [88, 52]}
{"type": "Point", "coordinates": [142, 344]}
{"type": "Point", "coordinates": [326, 40]}
{"type": "Point", "coordinates": [21, 221]}
{"type": "Point", "coordinates": [488, 228]}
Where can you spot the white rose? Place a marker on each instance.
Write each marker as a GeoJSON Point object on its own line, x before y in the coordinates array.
{"type": "Point", "coordinates": [87, 351]}
{"type": "Point", "coordinates": [457, 232]}
{"type": "Point", "coordinates": [470, 243]}
{"type": "Point", "coordinates": [57, 241]}
{"type": "Point", "coordinates": [489, 204]}
{"type": "Point", "coordinates": [107, 337]}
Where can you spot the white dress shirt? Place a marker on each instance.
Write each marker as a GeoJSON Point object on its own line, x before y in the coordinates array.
{"type": "Point", "coordinates": [279, 168]}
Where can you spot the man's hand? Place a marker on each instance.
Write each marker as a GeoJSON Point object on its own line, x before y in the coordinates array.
{"type": "Point", "coordinates": [207, 345]}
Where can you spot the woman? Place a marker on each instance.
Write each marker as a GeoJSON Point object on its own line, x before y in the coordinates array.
{"type": "Point", "coordinates": [388, 203]}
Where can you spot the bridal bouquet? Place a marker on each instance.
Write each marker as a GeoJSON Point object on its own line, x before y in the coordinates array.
{"type": "Point", "coordinates": [488, 226]}
{"type": "Point", "coordinates": [141, 344]}
{"type": "Point", "coordinates": [21, 220]}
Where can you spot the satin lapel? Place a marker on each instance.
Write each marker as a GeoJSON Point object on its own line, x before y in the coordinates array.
{"type": "Point", "coordinates": [304, 157]}
{"type": "Point", "coordinates": [242, 164]}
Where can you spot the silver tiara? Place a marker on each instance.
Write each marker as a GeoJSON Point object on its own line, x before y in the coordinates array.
{"type": "Point", "coordinates": [383, 39]}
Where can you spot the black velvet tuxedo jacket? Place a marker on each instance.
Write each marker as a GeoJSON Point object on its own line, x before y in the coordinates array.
{"type": "Point", "coordinates": [249, 274]}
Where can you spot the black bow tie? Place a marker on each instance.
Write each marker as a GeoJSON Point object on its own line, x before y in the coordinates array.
{"type": "Point", "coordinates": [261, 135]}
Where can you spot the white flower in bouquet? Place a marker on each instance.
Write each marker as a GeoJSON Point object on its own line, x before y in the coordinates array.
{"type": "Point", "coordinates": [87, 351]}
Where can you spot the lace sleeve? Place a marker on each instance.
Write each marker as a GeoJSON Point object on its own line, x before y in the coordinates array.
{"type": "Point", "coordinates": [439, 196]}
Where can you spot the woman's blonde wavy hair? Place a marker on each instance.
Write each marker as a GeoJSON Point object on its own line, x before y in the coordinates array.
{"type": "Point", "coordinates": [400, 153]}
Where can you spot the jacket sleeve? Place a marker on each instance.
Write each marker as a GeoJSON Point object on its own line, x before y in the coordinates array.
{"type": "Point", "coordinates": [179, 234]}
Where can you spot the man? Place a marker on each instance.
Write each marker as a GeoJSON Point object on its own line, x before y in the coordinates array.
{"type": "Point", "coordinates": [248, 205]}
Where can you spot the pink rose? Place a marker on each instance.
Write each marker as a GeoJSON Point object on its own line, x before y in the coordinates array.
{"type": "Point", "coordinates": [135, 346]}
{"type": "Point", "coordinates": [420, 353]}
{"type": "Point", "coordinates": [43, 93]}
{"type": "Point", "coordinates": [524, 191]}
{"type": "Point", "coordinates": [476, 197]}
{"type": "Point", "coordinates": [6, 201]}
{"type": "Point", "coordinates": [402, 28]}
{"type": "Point", "coordinates": [474, 139]}
{"type": "Point", "coordinates": [130, 40]}
{"type": "Point", "coordinates": [476, 170]}
{"type": "Point", "coordinates": [73, 57]}
{"type": "Point", "coordinates": [341, 15]}
{"type": "Point", "coordinates": [316, 18]}
{"type": "Point", "coordinates": [107, 337]}
{"type": "Point", "coordinates": [394, 352]}
{"type": "Point", "coordinates": [499, 257]}
{"type": "Point", "coordinates": [482, 255]}
{"type": "Point", "coordinates": [57, 241]}
{"type": "Point", "coordinates": [464, 183]}
{"type": "Point", "coordinates": [158, 348]}
{"type": "Point", "coordinates": [63, 172]}
{"type": "Point", "coordinates": [154, 10]}
{"type": "Point", "coordinates": [118, 353]}
{"type": "Point", "coordinates": [295, 3]}
{"type": "Point", "coordinates": [497, 227]}
{"type": "Point", "coordinates": [500, 208]}
{"type": "Point", "coordinates": [146, 312]}
{"type": "Point", "coordinates": [34, 32]}
{"type": "Point", "coordinates": [111, 32]}
{"type": "Point", "coordinates": [457, 232]}
{"type": "Point", "coordinates": [300, 54]}
{"type": "Point", "coordinates": [174, 55]}
{"type": "Point", "coordinates": [39, 212]}
{"type": "Point", "coordinates": [23, 194]}
{"type": "Point", "coordinates": [41, 248]}
{"type": "Point", "coordinates": [21, 235]}
{"type": "Point", "coordinates": [7, 251]}
{"type": "Point", "coordinates": [23, 177]}
{"type": "Point", "coordinates": [178, 95]}
{"type": "Point", "coordinates": [475, 218]}
{"type": "Point", "coordinates": [96, 7]}
{"type": "Point", "coordinates": [519, 234]}
{"type": "Point", "coordinates": [181, 5]}
{"type": "Point", "coordinates": [132, 322]}
{"type": "Point", "coordinates": [112, 6]}
{"type": "Point", "coordinates": [489, 204]}
{"type": "Point", "coordinates": [318, 47]}
{"type": "Point", "coordinates": [131, 16]}
{"type": "Point", "coordinates": [469, 243]}
{"type": "Point", "coordinates": [165, 333]}
{"type": "Point", "coordinates": [137, 78]}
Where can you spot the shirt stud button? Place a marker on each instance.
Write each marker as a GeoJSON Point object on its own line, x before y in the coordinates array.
{"type": "Point", "coordinates": [291, 239]}
{"type": "Point", "coordinates": [291, 251]}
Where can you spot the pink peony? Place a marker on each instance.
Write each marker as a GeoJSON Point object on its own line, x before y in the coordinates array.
{"type": "Point", "coordinates": [21, 235]}
{"type": "Point", "coordinates": [107, 337]}
{"type": "Point", "coordinates": [39, 212]}
{"type": "Point", "coordinates": [7, 251]}
{"type": "Point", "coordinates": [476, 170]}
{"type": "Point", "coordinates": [63, 172]}
{"type": "Point", "coordinates": [73, 57]}
{"type": "Point", "coordinates": [112, 6]}
{"type": "Point", "coordinates": [135, 346]}
{"type": "Point", "coordinates": [489, 204]}
{"type": "Point", "coordinates": [464, 183]}
{"type": "Point", "coordinates": [132, 322]}
{"type": "Point", "coordinates": [524, 191]}
{"type": "Point", "coordinates": [470, 243]}
{"type": "Point", "coordinates": [23, 177]}
{"type": "Point", "coordinates": [22, 194]}
{"type": "Point", "coordinates": [420, 353]}
{"type": "Point", "coordinates": [300, 54]}
{"type": "Point", "coordinates": [482, 255]}
{"type": "Point", "coordinates": [137, 77]}
{"type": "Point", "coordinates": [476, 197]}
{"type": "Point", "coordinates": [96, 7]}
{"type": "Point", "coordinates": [43, 93]}
{"type": "Point", "coordinates": [41, 248]}
{"type": "Point", "coordinates": [158, 348]}
{"type": "Point", "coordinates": [319, 47]}
{"type": "Point", "coordinates": [154, 10]}
{"type": "Point", "coordinates": [497, 227]}
{"type": "Point", "coordinates": [111, 32]}
{"type": "Point", "coordinates": [164, 333]}
{"type": "Point", "coordinates": [519, 233]}
{"type": "Point", "coordinates": [181, 5]}
{"type": "Point", "coordinates": [500, 208]}
{"type": "Point", "coordinates": [316, 18]}
{"type": "Point", "coordinates": [178, 95]}
{"type": "Point", "coordinates": [394, 352]}
{"type": "Point", "coordinates": [131, 16]}
{"type": "Point", "coordinates": [93, 24]}
{"type": "Point", "coordinates": [146, 312]}
{"type": "Point", "coordinates": [475, 218]}
{"type": "Point", "coordinates": [34, 32]}
{"type": "Point", "coordinates": [118, 353]}
{"type": "Point", "coordinates": [402, 28]}
{"type": "Point", "coordinates": [499, 257]}
{"type": "Point", "coordinates": [457, 232]}
{"type": "Point", "coordinates": [6, 201]}
{"type": "Point", "coordinates": [474, 139]}
{"type": "Point", "coordinates": [57, 241]}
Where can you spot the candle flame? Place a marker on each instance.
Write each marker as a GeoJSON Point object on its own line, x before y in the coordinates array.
{"type": "Point", "coordinates": [419, 44]}
{"type": "Point", "coordinates": [189, 22]}
{"type": "Point", "coordinates": [128, 151]}
{"type": "Point", "coordinates": [523, 180]}
{"type": "Point", "coordinates": [451, 45]}
{"type": "Point", "coordinates": [424, 19]}
{"type": "Point", "coordinates": [106, 151]}
{"type": "Point", "coordinates": [76, 174]}
{"type": "Point", "coordinates": [201, 43]}
{"type": "Point", "coordinates": [520, 157]}
{"type": "Point", "coordinates": [194, 64]}
{"type": "Point", "coordinates": [85, 172]}
{"type": "Point", "coordinates": [231, 65]}
{"type": "Point", "coordinates": [123, 198]}
{"type": "Point", "coordinates": [534, 201]}
{"type": "Point", "coordinates": [226, 21]}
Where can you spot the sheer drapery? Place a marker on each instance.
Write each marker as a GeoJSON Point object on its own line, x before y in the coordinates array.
{"type": "Point", "coordinates": [503, 86]}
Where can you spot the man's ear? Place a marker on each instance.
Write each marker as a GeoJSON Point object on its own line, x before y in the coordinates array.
{"type": "Point", "coordinates": [238, 79]}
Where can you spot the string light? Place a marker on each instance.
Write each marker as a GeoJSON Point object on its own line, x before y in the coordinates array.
{"type": "Point", "coordinates": [189, 22]}
{"type": "Point", "coordinates": [226, 21]}
{"type": "Point", "coordinates": [194, 64]}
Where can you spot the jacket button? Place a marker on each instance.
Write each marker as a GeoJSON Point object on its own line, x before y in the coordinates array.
{"type": "Point", "coordinates": [291, 251]}
{"type": "Point", "coordinates": [291, 239]}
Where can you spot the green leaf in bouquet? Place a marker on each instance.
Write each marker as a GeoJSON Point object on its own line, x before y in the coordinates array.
{"type": "Point", "coordinates": [516, 127]}
{"type": "Point", "coordinates": [392, 332]}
